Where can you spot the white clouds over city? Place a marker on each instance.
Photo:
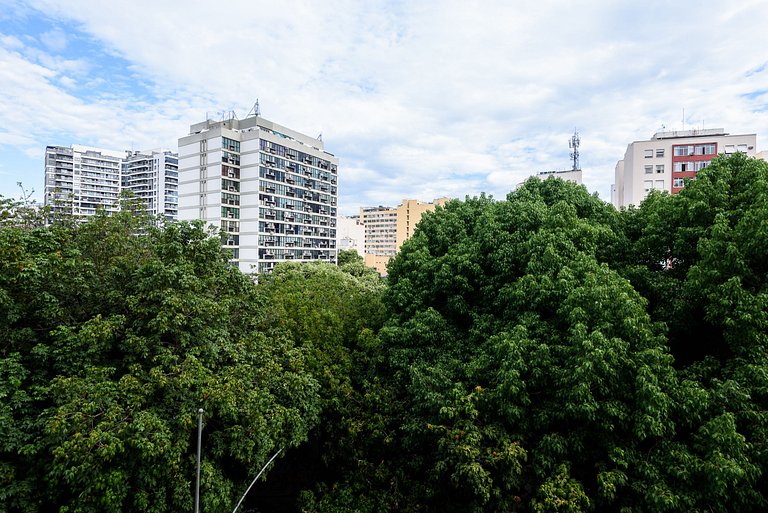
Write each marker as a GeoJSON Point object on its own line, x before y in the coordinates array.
{"type": "Point", "coordinates": [418, 99]}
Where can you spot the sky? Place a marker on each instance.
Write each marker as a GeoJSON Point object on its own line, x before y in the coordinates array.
{"type": "Point", "coordinates": [418, 99]}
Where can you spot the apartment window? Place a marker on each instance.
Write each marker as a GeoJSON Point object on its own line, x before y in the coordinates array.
{"type": "Point", "coordinates": [701, 164]}
{"type": "Point", "coordinates": [660, 153]}
{"type": "Point", "coordinates": [230, 144]}
{"type": "Point", "coordinates": [648, 154]}
{"type": "Point", "coordinates": [742, 148]}
{"type": "Point", "coordinates": [683, 151]}
{"type": "Point", "coordinates": [682, 167]}
{"type": "Point", "coordinates": [648, 170]}
{"type": "Point", "coordinates": [678, 183]}
{"type": "Point", "coordinates": [659, 185]}
{"type": "Point", "coordinates": [730, 148]}
{"type": "Point", "coordinates": [648, 185]}
{"type": "Point", "coordinates": [659, 168]}
{"type": "Point", "coordinates": [706, 149]}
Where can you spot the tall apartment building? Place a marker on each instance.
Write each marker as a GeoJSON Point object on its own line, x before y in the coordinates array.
{"type": "Point", "coordinates": [154, 178]}
{"type": "Point", "coordinates": [271, 190]}
{"type": "Point", "coordinates": [668, 159]}
{"type": "Point", "coordinates": [386, 229]}
{"type": "Point", "coordinates": [79, 179]}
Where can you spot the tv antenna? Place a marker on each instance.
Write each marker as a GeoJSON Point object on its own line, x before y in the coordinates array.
{"type": "Point", "coordinates": [573, 144]}
{"type": "Point", "coordinates": [255, 110]}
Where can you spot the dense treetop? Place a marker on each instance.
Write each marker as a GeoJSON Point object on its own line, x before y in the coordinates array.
{"type": "Point", "coordinates": [539, 353]}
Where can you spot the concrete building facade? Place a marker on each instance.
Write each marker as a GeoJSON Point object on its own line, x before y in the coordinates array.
{"type": "Point", "coordinates": [271, 190]}
{"type": "Point", "coordinates": [350, 234]}
{"type": "Point", "coordinates": [153, 177]}
{"type": "Point", "coordinates": [80, 179]}
{"type": "Point", "coordinates": [668, 159]}
{"type": "Point", "coordinates": [386, 229]}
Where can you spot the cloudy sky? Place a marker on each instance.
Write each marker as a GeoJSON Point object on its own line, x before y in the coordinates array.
{"type": "Point", "coordinates": [419, 99]}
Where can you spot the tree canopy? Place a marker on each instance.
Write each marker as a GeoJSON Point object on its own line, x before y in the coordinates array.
{"type": "Point", "coordinates": [538, 353]}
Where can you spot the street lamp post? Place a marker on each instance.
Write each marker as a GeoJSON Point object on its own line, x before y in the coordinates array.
{"type": "Point", "coordinates": [199, 445]}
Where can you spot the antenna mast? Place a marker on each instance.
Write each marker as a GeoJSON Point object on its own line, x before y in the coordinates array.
{"type": "Point", "coordinates": [573, 144]}
{"type": "Point", "coordinates": [255, 110]}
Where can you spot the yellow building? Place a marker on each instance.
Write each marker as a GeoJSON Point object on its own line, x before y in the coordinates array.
{"type": "Point", "coordinates": [387, 228]}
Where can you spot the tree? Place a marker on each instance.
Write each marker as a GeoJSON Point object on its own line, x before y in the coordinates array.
{"type": "Point", "coordinates": [333, 315]}
{"type": "Point", "coordinates": [114, 333]}
{"type": "Point", "coordinates": [521, 372]}
{"type": "Point", "coordinates": [700, 257]}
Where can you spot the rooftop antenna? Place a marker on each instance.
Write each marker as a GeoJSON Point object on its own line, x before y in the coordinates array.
{"type": "Point", "coordinates": [255, 110]}
{"type": "Point", "coordinates": [320, 136]}
{"type": "Point", "coordinates": [574, 145]}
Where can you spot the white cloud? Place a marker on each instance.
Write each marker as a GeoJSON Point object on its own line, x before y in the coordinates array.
{"type": "Point", "coordinates": [418, 99]}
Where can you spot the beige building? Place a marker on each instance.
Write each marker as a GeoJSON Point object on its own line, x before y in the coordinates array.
{"type": "Point", "coordinates": [669, 158]}
{"type": "Point", "coordinates": [386, 229]}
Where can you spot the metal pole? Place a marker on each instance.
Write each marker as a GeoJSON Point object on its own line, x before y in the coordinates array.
{"type": "Point", "coordinates": [199, 445]}
{"type": "Point", "coordinates": [256, 478]}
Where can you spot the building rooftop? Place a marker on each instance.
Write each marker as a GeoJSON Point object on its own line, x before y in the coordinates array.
{"type": "Point", "coordinates": [677, 134]}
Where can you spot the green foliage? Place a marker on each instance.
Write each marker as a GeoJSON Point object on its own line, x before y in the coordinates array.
{"type": "Point", "coordinates": [539, 353]}
{"type": "Point", "coordinates": [525, 364]}
{"type": "Point", "coordinates": [114, 333]}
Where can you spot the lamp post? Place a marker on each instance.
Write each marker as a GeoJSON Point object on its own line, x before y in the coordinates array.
{"type": "Point", "coordinates": [199, 445]}
{"type": "Point", "coordinates": [256, 478]}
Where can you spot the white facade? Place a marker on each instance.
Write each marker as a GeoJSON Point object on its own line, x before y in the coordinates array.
{"type": "Point", "coordinates": [569, 175]}
{"type": "Point", "coordinates": [350, 234]}
{"type": "Point", "coordinates": [79, 179]}
{"type": "Point", "coordinates": [271, 190]}
{"type": "Point", "coordinates": [154, 178]}
{"type": "Point", "coordinates": [668, 159]}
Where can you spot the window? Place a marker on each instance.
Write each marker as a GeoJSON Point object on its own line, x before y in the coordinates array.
{"type": "Point", "coordinates": [742, 148]}
{"type": "Point", "coordinates": [682, 167]}
{"type": "Point", "coordinates": [730, 148]}
{"type": "Point", "coordinates": [706, 149]}
{"type": "Point", "coordinates": [701, 164]}
{"type": "Point", "coordinates": [648, 170]}
{"type": "Point", "coordinates": [648, 154]}
{"type": "Point", "coordinates": [648, 185]}
{"type": "Point", "coordinates": [678, 183]}
{"type": "Point", "coordinates": [659, 168]}
{"type": "Point", "coordinates": [659, 185]}
{"type": "Point", "coordinates": [683, 151]}
{"type": "Point", "coordinates": [660, 153]}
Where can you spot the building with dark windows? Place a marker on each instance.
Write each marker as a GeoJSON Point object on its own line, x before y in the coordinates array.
{"type": "Point", "coordinates": [668, 159]}
{"type": "Point", "coordinates": [271, 190]}
{"type": "Point", "coordinates": [79, 180]}
{"type": "Point", "coordinates": [153, 177]}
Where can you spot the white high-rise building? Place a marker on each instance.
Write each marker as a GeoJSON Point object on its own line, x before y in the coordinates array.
{"type": "Point", "coordinates": [271, 190]}
{"type": "Point", "coordinates": [79, 179]}
{"type": "Point", "coordinates": [154, 178]}
{"type": "Point", "coordinates": [669, 158]}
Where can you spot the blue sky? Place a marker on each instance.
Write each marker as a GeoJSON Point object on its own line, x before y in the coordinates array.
{"type": "Point", "coordinates": [418, 99]}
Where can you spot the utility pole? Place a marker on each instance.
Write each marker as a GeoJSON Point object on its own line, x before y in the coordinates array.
{"type": "Point", "coordinates": [199, 446]}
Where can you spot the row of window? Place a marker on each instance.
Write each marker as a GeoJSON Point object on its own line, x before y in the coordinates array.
{"type": "Point", "coordinates": [694, 149]}
{"type": "Point", "coordinates": [681, 167]}
{"type": "Point", "coordinates": [282, 151]}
